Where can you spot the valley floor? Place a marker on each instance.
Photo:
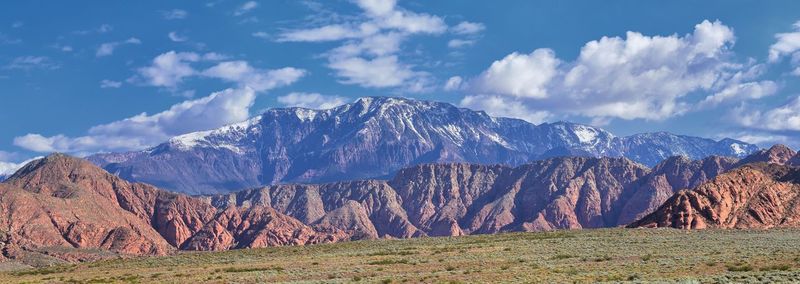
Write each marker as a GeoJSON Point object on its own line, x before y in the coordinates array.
{"type": "Point", "coordinates": [605, 255]}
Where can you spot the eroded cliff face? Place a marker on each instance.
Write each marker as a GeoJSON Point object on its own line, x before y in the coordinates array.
{"type": "Point", "coordinates": [456, 199]}
{"type": "Point", "coordinates": [61, 201]}
{"type": "Point", "coordinates": [758, 195]}
{"type": "Point", "coordinates": [666, 179]}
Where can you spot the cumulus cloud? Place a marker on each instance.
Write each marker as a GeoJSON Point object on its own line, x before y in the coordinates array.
{"type": "Point", "coordinates": [241, 73]}
{"type": "Point", "coordinates": [107, 49]}
{"type": "Point", "coordinates": [110, 84]}
{"type": "Point", "coordinates": [519, 75]}
{"type": "Point", "coordinates": [311, 100]}
{"type": "Point", "coordinates": [175, 14]}
{"type": "Point", "coordinates": [636, 77]}
{"type": "Point", "coordinates": [369, 55]}
{"type": "Point", "coordinates": [168, 69]}
{"type": "Point", "coordinates": [246, 7]}
{"type": "Point", "coordinates": [747, 90]}
{"type": "Point", "coordinates": [144, 130]}
{"type": "Point", "coordinates": [787, 45]}
{"type": "Point", "coordinates": [454, 83]}
{"type": "Point", "coordinates": [782, 118]}
{"type": "Point", "coordinates": [505, 106]}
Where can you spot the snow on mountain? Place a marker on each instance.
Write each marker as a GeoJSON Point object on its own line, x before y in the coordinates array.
{"type": "Point", "coordinates": [375, 137]}
{"type": "Point", "coordinates": [7, 169]}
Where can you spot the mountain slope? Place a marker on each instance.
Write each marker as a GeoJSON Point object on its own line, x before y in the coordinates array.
{"type": "Point", "coordinates": [759, 195]}
{"type": "Point", "coordinates": [667, 178]}
{"type": "Point", "coordinates": [459, 199]}
{"type": "Point", "coordinates": [66, 202]}
{"type": "Point", "coordinates": [374, 138]}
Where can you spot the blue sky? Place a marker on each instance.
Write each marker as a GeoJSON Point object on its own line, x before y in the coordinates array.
{"type": "Point", "coordinates": [100, 76]}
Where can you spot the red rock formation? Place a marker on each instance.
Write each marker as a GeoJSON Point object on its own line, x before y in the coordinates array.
{"type": "Point", "coordinates": [666, 179]}
{"type": "Point", "coordinates": [777, 154]}
{"type": "Point", "coordinates": [752, 196]}
{"type": "Point", "coordinates": [68, 202]}
{"type": "Point", "coordinates": [62, 201]}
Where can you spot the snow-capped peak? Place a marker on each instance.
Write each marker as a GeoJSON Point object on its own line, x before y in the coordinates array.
{"type": "Point", "coordinates": [585, 134]}
{"type": "Point", "coordinates": [225, 137]}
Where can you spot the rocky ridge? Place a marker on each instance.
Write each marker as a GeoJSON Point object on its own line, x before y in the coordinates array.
{"type": "Point", "coordinates": [375, 137]}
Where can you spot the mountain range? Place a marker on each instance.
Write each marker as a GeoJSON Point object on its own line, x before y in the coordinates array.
{"type": "Point", "coordinates": [375, 137]}
{"type": "Point", "coordinates": [764, 192]}
{"type": "Point", "coordinates": [67, 208]}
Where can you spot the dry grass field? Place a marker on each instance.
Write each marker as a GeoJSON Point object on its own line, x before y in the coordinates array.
{"type": "Point", "coordinates": [581, 256]}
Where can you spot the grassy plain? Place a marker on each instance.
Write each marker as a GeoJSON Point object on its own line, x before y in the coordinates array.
{"type": "Point", "coordinates": [582, 256]}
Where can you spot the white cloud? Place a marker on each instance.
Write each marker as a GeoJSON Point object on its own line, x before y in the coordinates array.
{"type": "Point", "coordinates": [246, 7]}
{"type": "Point", "coordinates": [520, 75]}
{"type": "Point", "coordinates": [311, 100]}
{"type": "Point", "coordinates": [636, 77]}
{"type": "Point", "coordinates": [107, 49]}
{"type": "Point", "coordinates": [377, 7]}
{"type": "Point", "coordinates": [467, 28]}
{"type": "Point", "coordinates": [9, 168]}
{"type": "Point", "coordinates": [17, 24]}
{"type": "Point", "coordinates": [144, 130]}
{"type": "Point", "coordinates": [379, 72]}
{"type": "Point", "coordinates": [241, 73]}
{"type": "Point", "coordinates": [761, 138]}
{"type": "Point", "coordinates": [787, 45]}
{"type": "Point", "coordinates": [370, 53]}
{"type": "Point", "coordinates": [324, 33]}
{"type": "Point", "coordinates": [175, 14]}
{"type": "Point", "coordinates": [459, 43]}
{"type": "Point", "coordinates": [174, 36]}
{"type": "Point", "coordinates": [748, 90]}
{"type": "Point", "coordinates": [169, 69]}
{"type": "Point", "coordinates": [454, 83]}
{"type": "Point", "coordinates": [110, 84]}
{"type": "Point", "coordinates": [261, 35]}
{"type": "Point", "coordinates": [229, 106]}
{"type": "Point", "coordinates": [505, 106]}
{"type": "Point", "coordinates": [31, 62]}
{"type": "Point", "coordinates": [782, 118]}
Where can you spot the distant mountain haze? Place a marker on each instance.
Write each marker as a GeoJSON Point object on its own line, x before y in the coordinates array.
{"type": "Point", "coordinates": [375, 137]}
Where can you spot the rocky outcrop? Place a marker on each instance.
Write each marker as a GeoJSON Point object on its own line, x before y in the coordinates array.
{"type": "Point", "coordinates": [61, 201]}
{"type": "Point", "coordinates": [252, 227]}
{"type": "Point", "coordinates": [666, 179]}
{"type": "Point", "coordinates": [58, 202]}
{"type": "Point", "coordinates": [758, 195]}
{"type": "Point", "coordinates": [777, 154]}
{"type": "Point", "coordinates": [457, 199]}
